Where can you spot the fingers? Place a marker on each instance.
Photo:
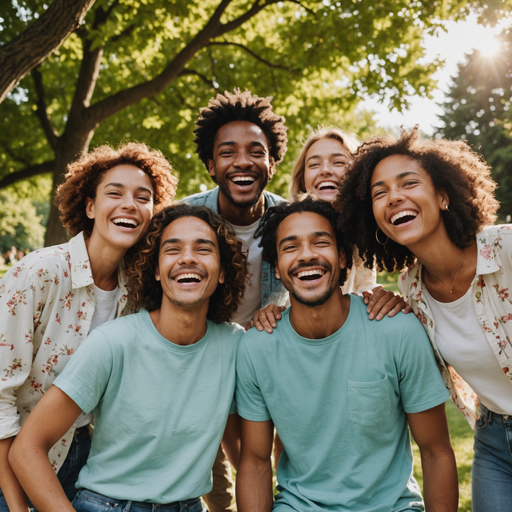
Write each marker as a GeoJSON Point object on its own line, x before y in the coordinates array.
{"type": "Point", "coordinates": [384, 302]}
{"type": "Point", "coordinates": [266, 318]}
{"type": "Point", "coordinates": [407, 309]}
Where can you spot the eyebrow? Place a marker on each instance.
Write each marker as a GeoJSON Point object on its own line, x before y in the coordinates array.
{"type": "Point", "coordinates": [233, 143]}
{"type": "Point", "coordinates": [179, 240]}
{"type": "Point", "coordinates": [121, 185]}
{"type": "Point", "coordinates": [399, 177]}
{"type": "Point", "coordinates": [316, 234]}
{"type": "Point", "coordinates": [332, 155]}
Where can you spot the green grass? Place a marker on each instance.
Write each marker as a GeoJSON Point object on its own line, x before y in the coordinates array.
{"type": "Point", "coordinates": [389, 281]}
{"type": "Point", "coordinates": [4, 269]}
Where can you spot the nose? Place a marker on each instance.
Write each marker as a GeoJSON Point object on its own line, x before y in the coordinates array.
{"type": "Point", "coordinates": [325, 169]}
{"type": "Point", "coordinates": [188, 256]}
{"type": "Point", "coordinates": [242, 160]}
{"type": "Point", "coordinates": [307, 252]}
{"type": "Point", "coordinates": [129, 202]}
{"type": "Point", "coordinates": [395, 196]}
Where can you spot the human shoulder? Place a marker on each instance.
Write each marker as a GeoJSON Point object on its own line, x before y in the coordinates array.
{"type": "Point", "coordinates": [272, 199]}
{"type": "Point", "coordinates": [208, 198]}
{"type": "Point", "coordinates": [229, 332]}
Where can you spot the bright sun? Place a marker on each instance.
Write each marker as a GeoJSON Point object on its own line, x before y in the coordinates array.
{"type": "Point", "coordinates": [488, 47]}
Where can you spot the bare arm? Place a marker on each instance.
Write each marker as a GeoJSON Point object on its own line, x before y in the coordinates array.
{"type": "Point", "coordinates": [231, 440]}
{"type": "Point", "coordinates": [440, 482]}
{"type": "Point", "coordinates": [254, 478]}
{"type": "Point", "coordinates": [48, 422]}
{"type": "Point", "coordinates": [11, 488]}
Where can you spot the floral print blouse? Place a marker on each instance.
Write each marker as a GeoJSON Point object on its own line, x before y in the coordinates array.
{"type": "Point", "coordinates": [47, 302]}
{"type": "Point", "coordinates": [493, 305]}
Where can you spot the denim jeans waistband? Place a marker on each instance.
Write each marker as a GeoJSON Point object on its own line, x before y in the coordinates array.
{"type": "Point", "coordinates": [506, 418]}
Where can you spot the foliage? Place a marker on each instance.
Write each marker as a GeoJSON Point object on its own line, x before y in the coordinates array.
{"type": "Point", "coordinates": [478, 110]}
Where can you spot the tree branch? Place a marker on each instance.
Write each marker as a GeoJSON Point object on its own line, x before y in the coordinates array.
{"type": "Point", "coordinates": [107, 107]}
{"type": "Point", "coordinates": [255, 9]}
{"type": "Point", "coordinates": [27, 173]}
{"type": "Point", "coordinates": [204, 78]}
{"type": "Point", "coordinates": [250, 52]}
{"type": "Point", "coordinates": [51, 133]}
{"type": "Point", "coordinates": [45, 35]}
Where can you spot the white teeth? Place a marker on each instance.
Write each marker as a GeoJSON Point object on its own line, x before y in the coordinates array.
{"type": "Point", "coordinates": [326, 184]}
{"type": "Point", "coordinates": [243, 178]}
{"type": "Point", "coordinates": [310, 273]}
{"type": "Point", "coordinates": [125, 221]}
{"type": "Point", "coordinates": [406, 213]}
{"type": "Point", "coordinates": [188, 276]}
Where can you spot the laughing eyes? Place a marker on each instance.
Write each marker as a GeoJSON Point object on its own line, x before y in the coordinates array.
{"type": "Point", "coordinates": [139, 198]}
{"type": "Point", "coordinates": [408, 184]}
{"type": "Point", "coordinates": [319, 243]}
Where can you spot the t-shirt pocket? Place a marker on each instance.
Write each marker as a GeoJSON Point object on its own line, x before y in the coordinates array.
{"type": "Point", "coordinates": [369, 402]}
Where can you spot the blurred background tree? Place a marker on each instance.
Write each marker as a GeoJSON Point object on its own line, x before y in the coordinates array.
{"type": "Point", "coordinates": [478, 109]}
{"type": "Point", "coordinates": [141, 69]}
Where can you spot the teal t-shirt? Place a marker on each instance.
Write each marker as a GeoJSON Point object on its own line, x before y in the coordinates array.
{"type": "Point", "coordinates": [160, 409]}
{"type": "Point", "coordinates": [339, 405]}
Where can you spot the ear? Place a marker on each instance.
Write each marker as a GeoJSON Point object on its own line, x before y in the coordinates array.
{"type": "Point", "coordinates": [343, 259]}
{"type": "Point", "coordinates": [89, 207]}
{"type": "Point", "coordinates": [271, 171]}
{"type": "Point", "coordinates": [157, 273]}
{"type": "Point", "coordinates": [211, 167]}
{"type": "Point", "coordinates": [444, 200]}
{"type": "Point", "coordinates": [222, 276]}
{"type": "Point", "coordinates": [278, 275]}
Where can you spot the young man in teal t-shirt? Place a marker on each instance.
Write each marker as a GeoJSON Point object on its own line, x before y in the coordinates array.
{"type": "Point", "coordinates": [341, 390]}
{"type": "Point", "coordinates": [160, 382]}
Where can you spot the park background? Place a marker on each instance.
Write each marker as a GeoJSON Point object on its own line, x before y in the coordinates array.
{"type": "Point", "coordinates": [112, 71]}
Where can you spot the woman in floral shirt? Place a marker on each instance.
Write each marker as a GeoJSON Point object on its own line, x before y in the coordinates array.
{"type": "Point", "coordinates": [54, 297]}
{"type": "Point", "coordinates": [427, 207]}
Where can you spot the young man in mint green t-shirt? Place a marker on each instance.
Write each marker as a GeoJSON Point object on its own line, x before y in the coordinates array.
{"type": "Point", "coordinates": [160, 382]}
{"type": "Point", "coordinates": [340, 389]}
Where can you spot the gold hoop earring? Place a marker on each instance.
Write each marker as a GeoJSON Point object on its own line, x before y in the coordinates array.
{"type": "Point", "coordinates": [377, 237]}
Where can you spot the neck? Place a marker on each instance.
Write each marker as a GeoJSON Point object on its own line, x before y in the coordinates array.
{"type": "Point", "coordinates": [241, 216]}
{"type": "Point", "coordinates": [180, 325]}
{"type": "Point", "coordinates": [321, 321]}
{"type": "Point", "coordinates": [104, 261]}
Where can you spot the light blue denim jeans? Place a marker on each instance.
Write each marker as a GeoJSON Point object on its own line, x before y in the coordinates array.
{"type": "Point", "coordinates": [491, 475]}
{"type": "Point", "coordinates": [89, 501]}
{"type": "Point", "coordinates": [68, 473]}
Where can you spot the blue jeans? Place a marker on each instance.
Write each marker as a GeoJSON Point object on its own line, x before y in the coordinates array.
{"type": "Point", "coordinates": [491, 475]}
{"type": "Point", "coordinates": [68, 473]}
{"type": "Point", "coordinates": [89, 501]}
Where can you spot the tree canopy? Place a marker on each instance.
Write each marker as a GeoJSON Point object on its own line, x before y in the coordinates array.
{"type": "Point", "coordinates": [478, 109]}
{"type": "Point", "coordinates": [141, 69]}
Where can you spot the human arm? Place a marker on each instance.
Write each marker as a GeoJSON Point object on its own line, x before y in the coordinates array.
{"type": "Point", "coordinates": [254, 477]}
{"type": "Point", "coordinates": [49, 421]}
{"type": "Point", "coordinates": [382, 302]}
{"type": "Point", "coordinates": [231, 440]}
{"type": "Point", "coordinates": [266, 318]}
{"type": "Point", "coordinates": [440, 482]}
{"type": "Point", "coordinates": [11, 488]}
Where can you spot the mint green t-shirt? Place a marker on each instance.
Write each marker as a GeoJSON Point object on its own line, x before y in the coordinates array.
{"type": "Point", "coordinates": [160, 409]}
{"type": "Point", "coordinates": [339, 405]}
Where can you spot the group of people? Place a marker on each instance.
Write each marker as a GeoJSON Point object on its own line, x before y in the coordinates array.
{"type": "Point", "coordinates": [217, 328]}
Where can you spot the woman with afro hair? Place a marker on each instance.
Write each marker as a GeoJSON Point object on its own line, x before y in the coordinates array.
{"type": "Point", "coordinates": [53, 297]}
{"type": "Point", "coordinates": [427, 208]}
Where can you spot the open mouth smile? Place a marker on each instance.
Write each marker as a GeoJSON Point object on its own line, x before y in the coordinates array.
{"type": "Point", "coordinates": [243, 180]}
{"type": "Point", "coordinates": [403, 217]}
{"type": "Point", "coordinates": [190, 277]}
{"type": "Point", "coordinates": [310, 275]}
{"type": "Point", "coordinates": [327, 185]}
{"type": "Point", "coordinates": [125, 222]}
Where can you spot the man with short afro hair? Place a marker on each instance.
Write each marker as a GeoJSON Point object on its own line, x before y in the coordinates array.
{"type": "Point", "coordinates": [241, 140]}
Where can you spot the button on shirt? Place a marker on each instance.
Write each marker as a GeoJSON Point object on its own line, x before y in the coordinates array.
{"type": "Point", "coordinates": [490, 295]}
{"type": "Point", "coordinates": [47, 302]}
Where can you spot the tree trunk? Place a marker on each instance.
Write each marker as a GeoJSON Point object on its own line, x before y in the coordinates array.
{"type": "Point", "coordinates": [70, 146]}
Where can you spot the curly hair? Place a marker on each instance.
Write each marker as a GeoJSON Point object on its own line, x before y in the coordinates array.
{"type": "Point", "coordinates": [350, 141]}
{"type": "Point", "coordinates": [146, 292]}
{"type": "Point", "coordinates": [274, 215]}
{"type": "Point", "coordinates": [240, 106]}
{"type": "Point", "coordinates": [85, 173]}
{"type": "Point", "coordinates": [452, 166]}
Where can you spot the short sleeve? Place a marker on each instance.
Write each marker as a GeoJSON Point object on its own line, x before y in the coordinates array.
{"type": "Point", "coordinates": [86, 376]}
{"type": "Point", "coordinates": [249, 400]}
{"type": "Point", "coordinates": [421, 384]}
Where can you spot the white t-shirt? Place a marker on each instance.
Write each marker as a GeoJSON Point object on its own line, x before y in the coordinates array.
{"type": "Point", "coordinates": [463, 345]}
{"type": "Point", "coordinates": [106, 306]}
{"type": "Point", "coordinates": [252, 295]}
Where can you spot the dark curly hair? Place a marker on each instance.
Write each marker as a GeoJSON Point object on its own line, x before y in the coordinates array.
{"type": "Point", "coordinates": [239, 106]}
{"type": "Point", "coordinates": [305, 203]}
{"type": "Point", "coordinates": [452, 167]}
{"type": "Point", "coordinates": [146, 292]}
{"type": "Point", "coordinates": [85, 173]}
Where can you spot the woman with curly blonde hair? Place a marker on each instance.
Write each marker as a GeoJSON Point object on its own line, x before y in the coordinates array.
{"type": "Point", "coordinates": [160, 382]}
{"type": "Point", "coordinates": [55, 296]}
{"type": "Point", "coordinates": [427, 208]}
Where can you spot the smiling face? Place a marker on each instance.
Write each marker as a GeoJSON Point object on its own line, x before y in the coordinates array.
{"type": "Point", "coordinates": [241, 164]}
{"type": "Point", "coordinates": [406, 205]}
{"type": "Point", "coordinates": [326, 163]}
{"type": "Point", "coordinates": [189, 263]}
{"type": "Point", "coordinates": [122, 208]}
{"type": "Point", "coordinates": [308, 260]}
